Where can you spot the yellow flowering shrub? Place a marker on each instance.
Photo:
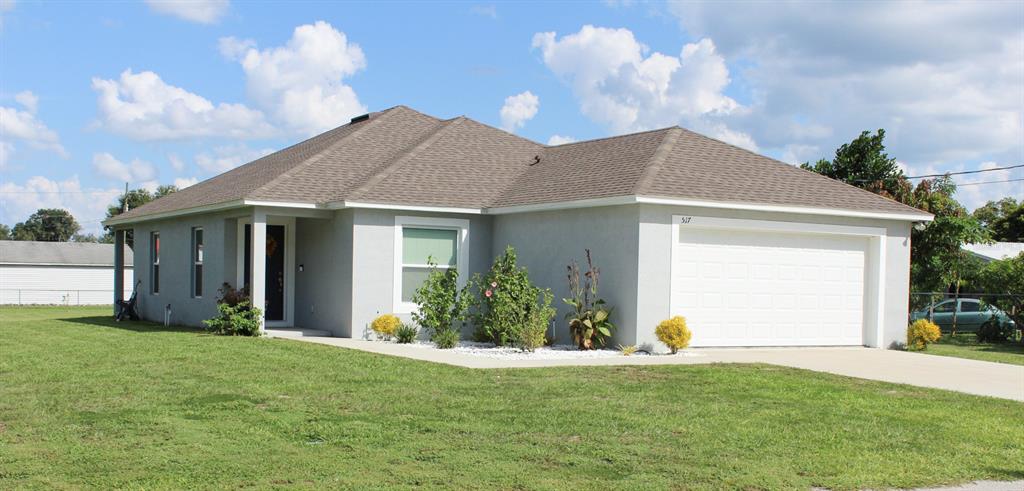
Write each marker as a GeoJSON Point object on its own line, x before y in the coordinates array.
{"type": "Point", "coordinates": [674, 333]}
{"type": "Point", "coordinates": [385, 326]}
{"type": "Point", "coordinates": [921, 333]}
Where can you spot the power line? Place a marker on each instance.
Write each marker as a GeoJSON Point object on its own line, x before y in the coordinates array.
{"type": "Point", "coordinates": [967, 172]}
{"type": "Point", "coordinates": [987, 182]}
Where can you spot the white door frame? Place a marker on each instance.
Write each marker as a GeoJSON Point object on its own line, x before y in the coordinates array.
{"type": "Point", "coordinates": [875, 281]}
{"type": "Point", "coordinates": [289, 264]}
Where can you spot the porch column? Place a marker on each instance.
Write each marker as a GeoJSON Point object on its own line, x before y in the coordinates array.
{"type": "Point", "coordinates": [118, 267]}
{"type": "Point", "coordinates": [258, 269]}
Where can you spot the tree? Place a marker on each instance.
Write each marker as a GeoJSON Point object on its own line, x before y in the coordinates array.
{"type": "Point", "coordinates": [47, 224]}
{"type": "Point", "coordinates": [5, 232]}
{"type": "Point", "coordinates": [864, 163]}
{"type": "Point", "coordinates": [133, 199]}
{"type": "Point", "coordinates": [91, 238]}
{"type": "Point", "coordinates": [1004, 219]}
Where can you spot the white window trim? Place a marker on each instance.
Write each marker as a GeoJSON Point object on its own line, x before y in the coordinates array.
{"type": "Point", "coordinates": [461, 260]}
{"type": "Point", "coordinates": [196, 261]}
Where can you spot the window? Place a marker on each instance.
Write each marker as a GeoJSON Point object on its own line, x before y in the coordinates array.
{"type": "Point", "coordinates": [947, 306]}
{"type": "Point", "coordinates": [197, 262]}
{"type": "Point", "coordinates": [154, 260]}
{"type": "Point", "coordinates": [969, 306]}
{"type": "Point", "coordinates": [419, 240]}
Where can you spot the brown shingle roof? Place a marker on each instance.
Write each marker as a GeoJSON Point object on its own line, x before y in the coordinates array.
{"type": "Point", "coordinates": [402, 157]}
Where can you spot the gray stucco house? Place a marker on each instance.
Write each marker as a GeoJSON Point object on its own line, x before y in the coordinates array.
{"type": "Point", "coordinates": [333, 231]}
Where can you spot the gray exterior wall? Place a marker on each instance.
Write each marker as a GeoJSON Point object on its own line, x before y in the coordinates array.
{"type": "Point", "coordinates": [655, 265]}
{"type": "Point", "coordinates": [547, 241]}
{"type": "Point", "coordinates": [176, 266]}
{"type": "Point", "coordinates": [323, 289]}
{"type": "Point", "coordinates": [373, 265]}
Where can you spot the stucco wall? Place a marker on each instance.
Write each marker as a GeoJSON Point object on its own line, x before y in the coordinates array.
{"type": "Point", "coordinates": [655, 264]}
{"type": "Point", "coordinates": [547, 241]}
{"type": "Point", "coordinates": [176, 266]}
{"type": "Point", "coordinates": [323, 289]}
{"type": "Point", "coordinates": [373, 252]}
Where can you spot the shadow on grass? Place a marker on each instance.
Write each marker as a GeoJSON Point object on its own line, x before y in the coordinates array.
{"type": "Point", "coordinates": [134, 326]}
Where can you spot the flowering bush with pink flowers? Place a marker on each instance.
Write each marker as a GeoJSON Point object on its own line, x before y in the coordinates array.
{"type": "Point", "coordinates": [508, 308]}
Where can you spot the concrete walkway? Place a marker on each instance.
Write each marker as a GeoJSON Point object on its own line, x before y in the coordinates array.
{"type": "Point", "coordinates": [940, 372]}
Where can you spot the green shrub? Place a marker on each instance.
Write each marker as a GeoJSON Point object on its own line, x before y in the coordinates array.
{"type": "Point", "coordinates": [994, 331]}
{"type": "Point", "coordinates": [385, 326]}
{"type": "Point", "coordinates": [240, 319]}
{"type": "Point", "coordinates": [439, 301]}
{"type": "Point", "coordinates": [674, 333]}
{"type": "Point", "coordinates": [531, 335]}
{"type": "Point", "coordinates": [921, 333]}
{"type": "Point", "coordinates": [504, 306]}
{"type": "Point", "coordinates": [406, 333]}
{"type": "Point", "coordinates": [589, 322]}
{"type": "Point", "coordinates": [446, 339]}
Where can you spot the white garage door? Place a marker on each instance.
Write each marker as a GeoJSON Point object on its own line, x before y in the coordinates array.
{"type": "Point", "coordinates": [769, 288]}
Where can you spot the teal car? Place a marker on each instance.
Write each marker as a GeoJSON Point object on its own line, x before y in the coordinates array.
{"type": "Point", "coordinates": [971, 313]}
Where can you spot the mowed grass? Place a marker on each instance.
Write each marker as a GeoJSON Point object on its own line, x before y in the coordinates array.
{"type": "Point", "coordinates": [85, 402]}
{"type": "Point", "coordinates": [967, 346]}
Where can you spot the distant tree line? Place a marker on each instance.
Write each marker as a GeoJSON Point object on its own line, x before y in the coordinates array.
{"type": "Point", "coordinates": [58, 225]}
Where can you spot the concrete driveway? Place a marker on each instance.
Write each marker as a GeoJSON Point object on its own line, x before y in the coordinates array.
{"type": "Point", "coordinates": [940, 372]}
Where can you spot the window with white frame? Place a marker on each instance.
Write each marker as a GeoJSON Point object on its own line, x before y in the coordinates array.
{"type": "Point", "coordinates": [419, 241]}
{"type": "Point", "coordinates": [197, 262]}
{"type": "Point", "coordinates": [154, 260]}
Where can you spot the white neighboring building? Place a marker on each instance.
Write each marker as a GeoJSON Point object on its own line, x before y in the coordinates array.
{"type": "Point", "coordinates": [59, 273]}
{"type": "Point", "coordinates": [995, 251]}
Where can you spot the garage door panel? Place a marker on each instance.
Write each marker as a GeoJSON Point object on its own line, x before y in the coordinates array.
{"type": "Point", "coordinates": [745, 288]}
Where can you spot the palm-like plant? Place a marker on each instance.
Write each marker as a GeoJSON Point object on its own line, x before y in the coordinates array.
{"type": "Point", "coordinates": [589, 321]}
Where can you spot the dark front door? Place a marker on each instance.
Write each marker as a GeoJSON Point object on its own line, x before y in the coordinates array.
{"type": "Point", "coordinates": [275, 273]}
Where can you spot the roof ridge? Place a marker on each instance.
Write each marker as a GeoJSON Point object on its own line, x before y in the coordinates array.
{"type": "Point", "coordinates": [406, 156]}
{"type": "Point", "coordinates": [668, 142]}
{"type": "Point", "coordinates": [610, 137]}
{"type": "Point", "coordinates": [319, 155]}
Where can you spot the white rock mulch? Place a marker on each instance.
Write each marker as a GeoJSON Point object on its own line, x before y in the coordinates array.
{"type": "Point", "coordinates": [558, 352]}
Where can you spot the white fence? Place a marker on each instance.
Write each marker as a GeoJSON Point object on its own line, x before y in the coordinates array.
{"type": "Point", "coordinates": [25, 296]}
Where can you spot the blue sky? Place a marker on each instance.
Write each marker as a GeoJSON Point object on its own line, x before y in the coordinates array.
{"type": "Point", "coordinates": [94, 94]}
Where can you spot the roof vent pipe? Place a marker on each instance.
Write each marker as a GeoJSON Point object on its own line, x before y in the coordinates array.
{"type": "Point", "coordinates": [536, 160]}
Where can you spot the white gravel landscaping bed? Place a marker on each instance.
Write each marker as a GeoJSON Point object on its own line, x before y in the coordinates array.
{"type": "Point", "coordinates": [558, 352]}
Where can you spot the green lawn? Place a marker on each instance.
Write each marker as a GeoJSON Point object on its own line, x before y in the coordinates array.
{"type": "Point", "coordinates": [967, 346]}
{"type": "Point", "coordinates": [85, 402]}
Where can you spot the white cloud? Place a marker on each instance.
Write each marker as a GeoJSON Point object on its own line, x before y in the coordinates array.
{"type": "Point", "coordinates": [490, 10]}
{"type": "Point", "coordinates": [22, 125]}
{"type": "Point", "coordinates": [184, 182]}
{"type": "Point", "coordinates": [137, 171]}
{"type": "Point", "coordinates": [88, 205]}
{"type": "Point", "coordinates": [302, 84]}
{"type": "Point", "coordinates": [560, 140]}
{"type": "Point", "coordinates": [144, 107]}
{"type": "Point", "coordinates": [225, 158]}
{"type": "Point", "coordinates": [518, 109]}
{"type": "Point", "coordinates": [176, 163]}
{"type": "Point", "coordinates": [945, 79]}
{"type": "Point", "coordinates": [27, 99]}
{"type": "Point", "coordinates": [7, 5]}
{"type": "Point", "coordinates": [620, 83]}
{"type": "Point", "coordinates": [201, 11]}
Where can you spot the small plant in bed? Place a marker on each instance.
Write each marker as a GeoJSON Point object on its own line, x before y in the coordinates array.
{"type": "Point", "coordinates": [508, 308]}
{"type": "Point", "coordinates": [406, 333]}
{"type": "Point", "coordinates": [384, 326]}
{"type": "Point", "coordinates": [236, 315]}
{"type": "Point", "coordinates": [590, 318]}
{"type": "Point", "coordinates": [674, 333]}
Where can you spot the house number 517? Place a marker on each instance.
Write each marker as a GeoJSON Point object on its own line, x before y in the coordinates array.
{"type": "Point", "coordinates": [685, 220]}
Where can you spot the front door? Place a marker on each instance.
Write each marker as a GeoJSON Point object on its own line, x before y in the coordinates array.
{"type": "Point", "coordinates": [275, 281]}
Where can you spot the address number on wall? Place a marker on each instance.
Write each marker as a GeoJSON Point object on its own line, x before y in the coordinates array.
{"type": "Point", "coordinates": [685, 220]}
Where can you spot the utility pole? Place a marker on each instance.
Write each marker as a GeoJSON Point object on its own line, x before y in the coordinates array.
{"type": "Point", "coordinates": [124, 204]}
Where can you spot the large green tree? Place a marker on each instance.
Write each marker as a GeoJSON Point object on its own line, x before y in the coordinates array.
{"type": "Point", "coordinates": [5, 232]}
{"type": "Point", "coordinates": [864, 163]}
{"type": "Point", "coordinates": [1004, 219]}
{"type": "Point", "coordinates": [938, 260]}
{"type": "Point", "coordinates": [48, 225]}
{"type": "Point", "coordinates": [131, 200]}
